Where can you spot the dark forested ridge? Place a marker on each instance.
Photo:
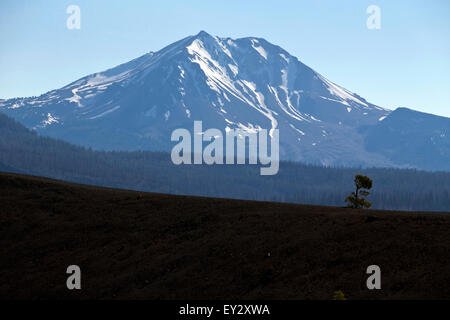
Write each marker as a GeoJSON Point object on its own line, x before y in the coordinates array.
{"type": "Point", "coordinates": [23, 151]}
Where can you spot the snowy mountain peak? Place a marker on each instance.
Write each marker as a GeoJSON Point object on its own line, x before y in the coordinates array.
{"type": "Point", "coordinates": [203, 34]}
{"type": "Point", "coordinates": [245, 83]}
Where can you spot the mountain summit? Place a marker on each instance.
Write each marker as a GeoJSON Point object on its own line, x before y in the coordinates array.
{"type": "Point", "coordinates": [245, 83]}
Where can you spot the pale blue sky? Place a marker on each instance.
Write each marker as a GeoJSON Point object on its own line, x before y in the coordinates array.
{"type": "Point", "coordinates": [406, 63]}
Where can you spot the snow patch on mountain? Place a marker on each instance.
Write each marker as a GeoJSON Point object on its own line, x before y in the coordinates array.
{"type": "Point", "coordinates": [104, 113]}
{"type": "Point", "coordinates": [259, 48]}
{"type": "Point", "coordinates": [341, 93]}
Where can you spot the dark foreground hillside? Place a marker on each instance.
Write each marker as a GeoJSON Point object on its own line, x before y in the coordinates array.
{"type": "Point", "coordinates": [152, 246]}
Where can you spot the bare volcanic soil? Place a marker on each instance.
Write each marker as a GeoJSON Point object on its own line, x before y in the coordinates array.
{"type": "Point", "coordinates": [132, 245]}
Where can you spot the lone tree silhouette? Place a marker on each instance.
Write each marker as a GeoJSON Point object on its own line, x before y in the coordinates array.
{"type": "Point", "coordinates": [357, 199]}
